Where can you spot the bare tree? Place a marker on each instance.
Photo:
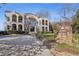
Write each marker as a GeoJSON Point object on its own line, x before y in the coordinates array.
{"type": "Point", "coordinates": [29, 22]}
{"type": "Point", "coordinates": [68, 10]}
{"type": "Point", "coordinates": [43, 13]}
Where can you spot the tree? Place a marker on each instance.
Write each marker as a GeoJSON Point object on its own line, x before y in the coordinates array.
{"type": "Point", "coordinates": [43, 14]}
{"type": "Point", "coordinates": [50, 27]}
{"type": "Point", "coordinates": [76, 17]}
{"type": "Point", "coordinates": [31, 21]}
{"type": "Point", "coordinates": [75, 21]}
{"type": "Point", "coordinates": [67, 10]}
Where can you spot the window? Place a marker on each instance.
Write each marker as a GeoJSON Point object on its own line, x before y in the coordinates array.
{"type": "Point", "coordinates": [14, 18]}
{"type": "Point", "coordinates": [32, 18]}
{"type": "Point", "coordinates": [42, 22]}
{"type": "Point", "coordinates": [8, 19]}
{"type": "Point", "coordinates": [46, 22]}
{"type": "Point", "coordinates": [46, 28]}
{"type": "Point", "coordinates": [14, 27]}
{"type": "Point", "coordinates": [32, 21]}
{"type": "Point", "coordinates": [32, 29]}
{"type": "Point", "coordinates": [19, 18]}
{"type": "Point", "coordinates": [8, 27]}
{"type": "Point", "coordinates": [42, 28]}
{"type": "Point", "coordinates": [20, 27]}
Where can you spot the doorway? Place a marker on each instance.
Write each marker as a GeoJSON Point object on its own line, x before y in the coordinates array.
{"type": "Point", "coordinates": [32, 29]}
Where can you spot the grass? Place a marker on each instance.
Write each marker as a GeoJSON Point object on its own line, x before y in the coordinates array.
{"type": "Point", "coordinates": [74, 49]}
{"type": "Point", "coordinates": [48, 35]}
{"type": "Point", "coordinates": [75, 39]}
{"type": "Point", "coordinates": [75, 36]}
{"type": "Point", "coordinates": [71, 49]}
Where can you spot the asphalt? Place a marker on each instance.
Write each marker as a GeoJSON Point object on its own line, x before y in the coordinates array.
{"type": "Point", "coordinates": [19, 39]}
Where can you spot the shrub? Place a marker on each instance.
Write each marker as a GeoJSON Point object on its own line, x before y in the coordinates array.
{"type": "Point", "coordinates": [17, 32]}
{"type": "Point", "coordinates": [4, 33]}
{"type": "Point", "coordinates": [39, 35]}
{"type": "Point", "coordinates": [20, 32]}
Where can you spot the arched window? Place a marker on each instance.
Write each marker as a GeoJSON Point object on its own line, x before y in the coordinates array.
{"type": "Point", "coordinates": [14, 18]}
{"type": "Point", "coordinates": [43, 29]}
{"type": "Point", "coordinates": [32, 18]}
{"type": "Point", "coordinates": [14, 27]}
{"type": "Point", "coordinates": [46, 22]}
{"type": "Point", "coordinates": [46, 29]}
{"type": "Point", "coordinates": [20, 27]}
{"type": "Point", "coordinates": [42, 22]}
{"type": "Point", "coordinates": [20, 18]}
{"type": "Point", "coordinates": [32, 21]}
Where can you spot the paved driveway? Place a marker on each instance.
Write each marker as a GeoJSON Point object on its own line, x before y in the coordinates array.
{"type": "Point", "coordinates": [19, 39]}
{"type": "Point", "coordinates": [26, 45]}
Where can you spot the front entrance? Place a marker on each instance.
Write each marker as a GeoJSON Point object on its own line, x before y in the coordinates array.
{"type": "Point", "coordinates": [32, 29]}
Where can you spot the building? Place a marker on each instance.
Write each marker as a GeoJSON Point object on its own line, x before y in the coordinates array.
{"type": "Point", "coordinates": [25, 22]}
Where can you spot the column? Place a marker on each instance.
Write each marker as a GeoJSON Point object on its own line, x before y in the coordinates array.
{"type": "Point", "coordinates": [23, 27]}
{"type": "Point", "coordinates": [48, 25]}
{"type": "Point", "coordinates": [11, 22]}
{"type": "Point", "coordinates": [17, 23]}
{"type": "Point", "coordinates": [22, 23]}
{"type": "Point", "coordinates": [17, 26]}
{"type": "Point", "coordinates": [28, 29]}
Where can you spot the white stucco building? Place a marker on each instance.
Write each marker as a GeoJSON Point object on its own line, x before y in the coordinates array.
{"type": "Point", "coordinates": [23, 22]}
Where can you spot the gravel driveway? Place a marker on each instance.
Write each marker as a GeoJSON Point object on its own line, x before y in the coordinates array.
{"type": "Point", "coordinates": [22, 45]}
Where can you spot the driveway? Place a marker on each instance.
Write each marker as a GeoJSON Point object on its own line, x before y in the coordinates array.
{"type": "Point", "coordinates": [22, 45]}
{"type": "Point", "coordinates": [20, 40]}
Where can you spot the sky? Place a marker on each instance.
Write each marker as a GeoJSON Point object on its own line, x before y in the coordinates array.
{"type": "Point", "coordinates": [54, 10]}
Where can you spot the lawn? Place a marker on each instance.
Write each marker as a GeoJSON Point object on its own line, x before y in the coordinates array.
{"type": "Point", "coordinates": [48, 35]}
{"type": "Point", "coordinates": [64, 47]}
{"type": "Point", "coordinates": [74, 49]}
{"type": "Point", "coordinates": [75, 39]}
{"type": "Point", "coordinates": [75, 36]}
